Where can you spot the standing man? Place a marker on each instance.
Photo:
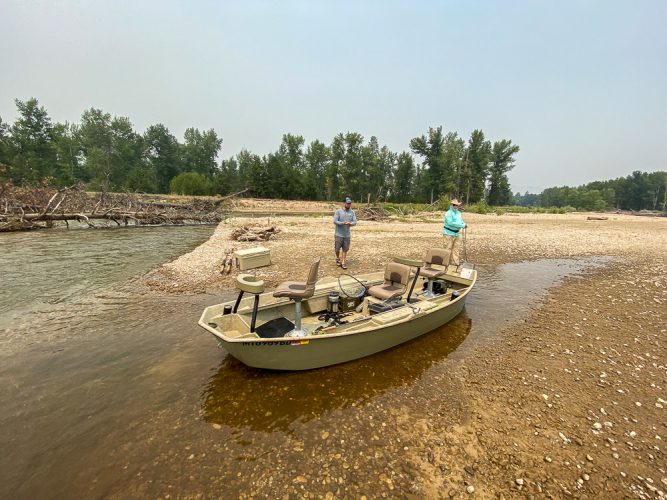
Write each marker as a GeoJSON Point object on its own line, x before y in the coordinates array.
{"type": "Point", "coordinates": [344, 218]}
{"type": "Point", "coordinates": [452, 227]}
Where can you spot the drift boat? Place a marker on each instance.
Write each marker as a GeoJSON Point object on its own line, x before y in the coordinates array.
{"type": "Point", "coordinates": [311, 324]}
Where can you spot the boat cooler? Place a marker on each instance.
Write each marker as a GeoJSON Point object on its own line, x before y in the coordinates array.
{"type": "Point", "coordinates": [250, 258]}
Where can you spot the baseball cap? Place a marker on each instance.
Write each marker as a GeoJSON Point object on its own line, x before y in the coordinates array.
{"type": "Point", "coordinates": [348, 200]}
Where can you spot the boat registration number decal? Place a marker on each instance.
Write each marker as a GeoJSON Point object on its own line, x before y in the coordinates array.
{"type": "Point", "coordinates": [278, 342]}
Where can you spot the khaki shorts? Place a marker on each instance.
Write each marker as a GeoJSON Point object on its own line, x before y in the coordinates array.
{"type": "Point", "coordinates": [341, 243]}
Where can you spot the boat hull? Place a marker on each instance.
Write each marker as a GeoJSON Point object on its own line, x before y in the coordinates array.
{"type": "Point", "coordinates": [319, 351]}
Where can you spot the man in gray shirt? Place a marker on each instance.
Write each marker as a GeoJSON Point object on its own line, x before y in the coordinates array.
{"type": "Point", "coordinates": [344, 218]}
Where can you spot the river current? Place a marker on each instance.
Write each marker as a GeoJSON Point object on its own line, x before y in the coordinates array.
{"type": "Point", "coordinates": [110, 393]}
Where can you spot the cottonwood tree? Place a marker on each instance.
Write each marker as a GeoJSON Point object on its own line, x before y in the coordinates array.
{"type": "Point", "coordinates": [404, 178]}
{"type": "Point", "coordinates": [502, 161]}
{"type": "Point", "coordinates": [31, 156]}
{"type": "Point", "coordinates": [200, 151]}
{"type": "Point", "coordinates": [476, 167]}
{"type": "Point", "coordinates": [430, 148]}
{"type": "Point", "coordinates": [316, 161]}
{"type": "Point", "coordinates": [161, 153]}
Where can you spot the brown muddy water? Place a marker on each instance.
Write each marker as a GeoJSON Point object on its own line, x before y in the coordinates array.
{"type": "Point", "coordinates": [106, 393]}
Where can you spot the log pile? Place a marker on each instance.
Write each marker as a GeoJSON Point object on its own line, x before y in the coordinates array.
{"type": "Point", "coordinates": [371, 213]}
{"type": "Point", "coordinates": [253, 233]}
{"type": "Point", "coordinates": [24, 209]}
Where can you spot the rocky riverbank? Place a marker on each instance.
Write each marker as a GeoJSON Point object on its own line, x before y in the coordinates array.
{"type": "Point", "coordinates": [571, 402]}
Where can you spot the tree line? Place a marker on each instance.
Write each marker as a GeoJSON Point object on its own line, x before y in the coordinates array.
{"type": "Point", "coordinates": [638, 191]}
{"type": "Point", "coordinates": [105, 153]}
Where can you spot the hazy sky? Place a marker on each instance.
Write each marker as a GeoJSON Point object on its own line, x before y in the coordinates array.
{"type": "Point", "coordinates": [580, 86]}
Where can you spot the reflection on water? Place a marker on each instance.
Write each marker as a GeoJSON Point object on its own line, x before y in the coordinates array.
{"type": "Point", "coordinates": [243, 397]}
{"type": "Point", "coordinates": [261, 400]}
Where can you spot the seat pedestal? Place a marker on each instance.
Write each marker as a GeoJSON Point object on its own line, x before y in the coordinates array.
{"type": "Point", "coordinates": [298, 331]}
{"type": "Point", "coordinates": [429, 290]}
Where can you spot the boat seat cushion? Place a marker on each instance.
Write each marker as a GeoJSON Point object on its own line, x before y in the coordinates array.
{"type": "Point", "coordinates": [300, 289]}
{"type": "Point", "coordinates": [435, 257]}
{"type": "Point", "coordinates": [385, 292]}
{"type": "Point", "coordinates": [396, 279]}
{"type": "Point", "coordinates": [430, 272]}
{"type": "Point", "coordinates": [291, 289]}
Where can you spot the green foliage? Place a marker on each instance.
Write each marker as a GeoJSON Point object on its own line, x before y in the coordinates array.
{"type": "Point", "coordinates": [161, 154]}
{"type": "Point", "coordinates": [200, 150]}
{"type": "Point", "coordinates": [638, 191]}
{"type": "Point", "coordinates": [517, 209]}
{"type": "Point", "coordinates": [478, 208]}
{"type": "Point", "coordinates": [191, 184]}
{"type": "Point", "coordinates": [106, 153]}
{"type": "Point", "coordinates": [502, 161]}
{"type": "Point", "coordinates": [31, 154]}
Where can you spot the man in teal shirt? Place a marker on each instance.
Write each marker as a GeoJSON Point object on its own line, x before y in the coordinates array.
{"type": "Point", "coordinates": [452, 229]}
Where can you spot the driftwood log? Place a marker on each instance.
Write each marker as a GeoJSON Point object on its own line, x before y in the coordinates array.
{"type": "Point", "coordinates": [24, 209]}
{"type": "Point", "coordinates": [371, 213]}
{"type": "Point", "coordinates": [250, 233]}
{"type": "Point", "coordinates": [590, 217]}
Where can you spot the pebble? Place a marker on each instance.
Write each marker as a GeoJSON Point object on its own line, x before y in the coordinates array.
{"type": "Point", "coordinates": [519, 481]}
{"type": "Point", "coordinates": [547, 459]}
{"type": "Point", "coordinates": [470, 489]}
{"type": "Point", "coordinates": [597, 426]}
{"type": "Point", "coordinates": [589, 458]}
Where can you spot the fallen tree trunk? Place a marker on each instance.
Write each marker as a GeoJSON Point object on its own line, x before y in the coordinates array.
{"type": "Point", "coordinates": [36, 208]}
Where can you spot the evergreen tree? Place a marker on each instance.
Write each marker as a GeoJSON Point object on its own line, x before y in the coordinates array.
{"type": "Point", "coordinates": [226, 180]}
{"type": "Point", "coordinates": [67, 145]}
{"type": "Point", "coordinates": [5, 146]}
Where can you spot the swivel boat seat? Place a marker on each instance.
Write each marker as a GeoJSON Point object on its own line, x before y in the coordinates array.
{"type": "Point", "coordinates": [297, 291]}
{"type": "Point", "coordinates": [438, 257]}
{"type": "Point", "coordinates": [396, 279]}
{"type": "Point", "coordinates": [251, 284]}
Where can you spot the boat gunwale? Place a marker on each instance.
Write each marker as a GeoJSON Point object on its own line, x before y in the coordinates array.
{"type": "Point", "coordinates": [310, 337]}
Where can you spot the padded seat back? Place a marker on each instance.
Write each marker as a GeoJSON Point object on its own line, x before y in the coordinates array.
{"type": "Point", "coordinates": [437, 256]}
{"type": "Point", "coordinates": [300, 289]}
{"type": "Point", "coordinates": [396, 279]}
{"type": "Point", "coordinates": [396, 273]}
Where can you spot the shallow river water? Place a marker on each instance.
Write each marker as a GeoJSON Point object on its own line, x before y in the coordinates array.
{"type": "Point", "coordinates": [106, 393]}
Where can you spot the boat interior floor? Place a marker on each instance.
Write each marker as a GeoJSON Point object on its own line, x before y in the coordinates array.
{"type": "Point", "coordinates": [275, 328]}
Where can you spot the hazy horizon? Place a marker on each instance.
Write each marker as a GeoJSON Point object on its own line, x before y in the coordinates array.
{"type": "Point", "coordinates": [578, 86]}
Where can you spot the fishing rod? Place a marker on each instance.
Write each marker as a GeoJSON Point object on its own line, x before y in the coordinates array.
{"type": "Point", "coordinates": [465, 254]}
